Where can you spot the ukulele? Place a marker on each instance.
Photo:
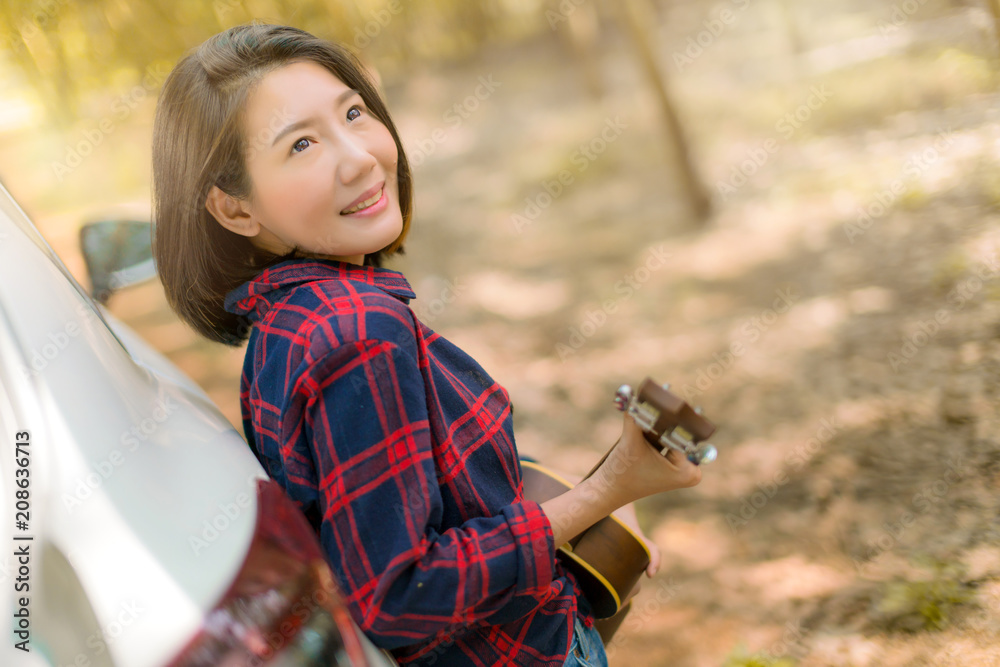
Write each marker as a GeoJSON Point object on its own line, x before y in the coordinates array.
{"type": "Point", "coordinates": [608, 558]}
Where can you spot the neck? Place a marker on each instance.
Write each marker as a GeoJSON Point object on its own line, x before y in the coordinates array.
{"type": "Point", "coordinates": [353, 259]}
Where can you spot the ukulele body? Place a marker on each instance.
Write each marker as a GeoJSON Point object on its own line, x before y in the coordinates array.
{"type": "Point", "coordinates": [607, 559]}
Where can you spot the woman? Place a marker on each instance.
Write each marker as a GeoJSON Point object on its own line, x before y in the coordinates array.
{"type": "Point", "coordinates": [280, 186]}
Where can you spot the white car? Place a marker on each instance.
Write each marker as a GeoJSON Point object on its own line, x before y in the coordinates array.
{"type": "Point", "coordinates": [138, 529]}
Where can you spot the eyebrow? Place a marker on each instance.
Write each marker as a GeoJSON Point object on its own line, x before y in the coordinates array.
{"type": "Point", "coordinates": [299, 124]}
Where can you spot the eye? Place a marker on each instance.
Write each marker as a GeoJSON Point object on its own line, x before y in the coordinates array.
{"type": "Point", "coordinates": [303, 142]}
{"type": "Point", "coordinates": [356, 108]}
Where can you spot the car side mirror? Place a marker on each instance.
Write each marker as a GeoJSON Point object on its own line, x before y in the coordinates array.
{"type": "Point", "coordinates": [118, 253]}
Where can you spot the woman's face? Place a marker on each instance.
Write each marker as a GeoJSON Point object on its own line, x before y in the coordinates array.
{"type": "Point", "coordinates": [323, 168]}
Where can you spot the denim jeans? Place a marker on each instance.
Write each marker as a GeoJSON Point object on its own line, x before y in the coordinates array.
{"type": "Point", "coordinates": [587, 649]}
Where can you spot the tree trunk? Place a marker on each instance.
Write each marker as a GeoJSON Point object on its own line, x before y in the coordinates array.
{"type": "Point", "coordinates": [994, 7]}
{"type": "Point", "coordinates": [638, 17]}
{"type": "Point", "coordinates": [582, 33]}
{"type": "Point", "coordinates": [796, 43]}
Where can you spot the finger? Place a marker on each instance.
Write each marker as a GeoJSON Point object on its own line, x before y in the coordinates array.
{"type": "Point", "coordinates": [630, 422]}
{"type": "Point", "coordinates": [654, 559]}
{"type": "Point", "coordinates": [693, 474]}
{"type": "Point", "coordinates": [690, 473]}
{"type": "Point", "coordinates": [675, 459]}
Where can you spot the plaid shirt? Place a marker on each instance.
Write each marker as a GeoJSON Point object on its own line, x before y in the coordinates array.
{"type": "Point", "coordinates": [399, 448]}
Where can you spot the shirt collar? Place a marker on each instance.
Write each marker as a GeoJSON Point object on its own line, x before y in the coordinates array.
{"type": "Point", "coordinates": [254, 297]}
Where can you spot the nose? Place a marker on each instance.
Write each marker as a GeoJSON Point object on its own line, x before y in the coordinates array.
{"type": "Point", "coordinates": [355, 159]}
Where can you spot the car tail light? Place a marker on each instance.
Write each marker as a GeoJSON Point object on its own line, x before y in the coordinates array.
{"type": "Point", "coordinates": [283, 608]}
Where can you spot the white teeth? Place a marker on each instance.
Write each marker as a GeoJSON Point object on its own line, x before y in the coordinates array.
{"type": "Point", "coordinates": [365, 204]}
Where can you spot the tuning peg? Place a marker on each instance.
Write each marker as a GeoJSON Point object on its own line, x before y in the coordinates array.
{"type": "Point", "coordinates": [705, 453]}
{"type": "Point", "coordinates": [623, 397]}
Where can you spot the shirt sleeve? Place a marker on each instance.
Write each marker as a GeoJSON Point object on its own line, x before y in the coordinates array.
{"type": "Point", "coordinates": [405, 578]}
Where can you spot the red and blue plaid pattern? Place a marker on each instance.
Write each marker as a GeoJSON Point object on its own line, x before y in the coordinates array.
{"type": "Point", "coordinates": [400, 450]}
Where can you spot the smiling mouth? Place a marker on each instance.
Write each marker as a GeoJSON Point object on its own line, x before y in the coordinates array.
{"type": "Point", "coordinates": [374, 199]}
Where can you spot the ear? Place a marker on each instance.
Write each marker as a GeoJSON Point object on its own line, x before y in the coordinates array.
{"type": "Point", "coordinates": [231, 213]}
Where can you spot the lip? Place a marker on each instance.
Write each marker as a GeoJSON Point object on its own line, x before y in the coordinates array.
{"type": "Point", "coordinates": [367, 194]}
{"type": "Point", "coordinates": [372, 210]}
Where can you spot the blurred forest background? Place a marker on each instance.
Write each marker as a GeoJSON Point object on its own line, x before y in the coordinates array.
{"type": "Point", "coordinates": [788, 210]}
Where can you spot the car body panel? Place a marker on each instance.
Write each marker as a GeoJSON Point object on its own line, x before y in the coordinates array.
{"type": "Point", "coordinates": [112, 440]}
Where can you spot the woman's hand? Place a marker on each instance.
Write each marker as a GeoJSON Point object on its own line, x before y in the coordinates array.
{"type": "Point", "coordinates": [626, 515]}
{"type": "Point", "coordinates": [634, 469]}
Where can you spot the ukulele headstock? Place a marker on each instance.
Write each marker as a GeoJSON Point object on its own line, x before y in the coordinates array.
{"type": "Point", "coordinates": [667, 421]}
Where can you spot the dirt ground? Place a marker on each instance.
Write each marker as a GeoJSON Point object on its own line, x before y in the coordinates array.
{"type": "Point", "coordinates": [838, 318]}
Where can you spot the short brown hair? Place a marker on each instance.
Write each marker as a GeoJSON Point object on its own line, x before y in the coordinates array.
{"type": "Point", "coordinates": [199, 141]}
